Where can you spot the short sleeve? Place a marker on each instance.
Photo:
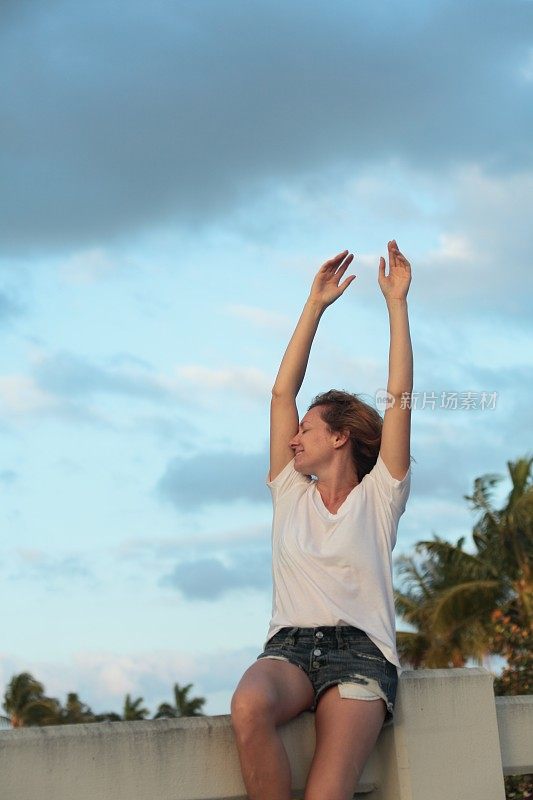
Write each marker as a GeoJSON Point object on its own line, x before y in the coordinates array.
{"type": "Point", "coordinates": [393, 490]}
{"type": "Point", "coordinates": [287, 480]}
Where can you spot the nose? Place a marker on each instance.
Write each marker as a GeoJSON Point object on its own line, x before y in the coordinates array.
{"type": "Point", "coordinates": [294, 441]}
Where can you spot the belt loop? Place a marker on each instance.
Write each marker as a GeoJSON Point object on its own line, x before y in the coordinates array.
{"type": "Point", "coordinates": [340, 639]}
{"type": "Point", "coordinates": [294, 633]}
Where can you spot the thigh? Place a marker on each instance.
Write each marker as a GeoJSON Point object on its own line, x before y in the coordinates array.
{"type": "Point", "coordinates": [346, 732]}
{"type": "Point", "coordinates": [274, 687]}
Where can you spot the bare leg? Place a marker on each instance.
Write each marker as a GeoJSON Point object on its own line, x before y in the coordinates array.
{"type": "Point", "coordinates": [346, 732]}
{"type": "Point", "coordinates": [269, 693]}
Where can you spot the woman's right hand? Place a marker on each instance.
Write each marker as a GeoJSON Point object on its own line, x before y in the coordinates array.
{"type": "Point", "coordinates": [326, 288]}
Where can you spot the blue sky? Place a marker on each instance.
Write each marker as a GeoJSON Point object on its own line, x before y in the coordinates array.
{"type": "Point", "coordinates": [174, 175]}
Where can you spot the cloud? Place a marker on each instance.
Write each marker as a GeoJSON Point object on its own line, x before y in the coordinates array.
{"type": "Point", "coordinates": [9, 309]}
{"type": "Point", "coordinates": [125, 117]}
{"type": "Point", "coordinates": [102, 678]}
{"type": "Point", "coordinates": [90, 266]}
{"type": "Point", "coordinates": [214, 477]}
{"type": "Point", "coordinates": [8, 477]}
{"type": "Point", "coordinates": [248, 381]}
{"type": "Point", "coordinates": [481, 264]}
{"type": "Point", "coordinates": [21, 399]}
{"type": "Point", "coordinates": [65, 374]}
{"type": "Point", "coordinates": [262, 318]}
{"type": "Point", "coordinates": [527, 68]}
{"type": "Point", "coordinates": [51, 569]}
{"type": "Point", "coordinates": [63, 384]}
{"type": "Point", "coordinates": [68, 386]}
{"type": "Point", "coordinates": [172, 546]}
{"type": "Point", "coordinates": [210, 579]}
{"type": "Point", "coordinates": [20, 395]}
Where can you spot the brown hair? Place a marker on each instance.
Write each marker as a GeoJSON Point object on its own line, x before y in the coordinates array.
{"type": "Point", "coordinates": [343, 411]}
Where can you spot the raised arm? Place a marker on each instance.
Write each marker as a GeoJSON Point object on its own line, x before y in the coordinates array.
{"type": "Point", "coordinates": [395, 439]}
{"type": "Point", "coordinates": [283, 412]}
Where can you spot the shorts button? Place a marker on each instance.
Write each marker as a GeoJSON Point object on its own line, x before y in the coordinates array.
{"type": "Point", "coordinates": [319, 634]}
{"type": "Point", "coordinates": [317, 652]}
{"type": "Point", "coordinates": [316, 664]}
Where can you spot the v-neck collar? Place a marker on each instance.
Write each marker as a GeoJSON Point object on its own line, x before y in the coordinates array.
{"type": "Point", "coordinates": [321, 506]}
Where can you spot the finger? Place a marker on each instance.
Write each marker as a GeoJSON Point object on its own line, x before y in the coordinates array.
{"type": "Point", "coordinates": [400, 257]}
{"type": "Point", "coordinates": [339, 272]}
{"type": "Point", "coordinates": [397, 251]}
{"type": "Point", "coordinates": [381, 267]}
{"type": "Point", "coordinates": [392, 254]}
{"type": "Point", "coordinates": [335, 261]}
{"type": "Point", "coordinates": [344, 285]}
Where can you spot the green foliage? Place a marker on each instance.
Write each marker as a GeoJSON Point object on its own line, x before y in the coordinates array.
{"type": "Point", "coordinates": [450, 596]}
{"type": "Point", "coordinates": [466, 605]}
{"type": "Point", "coordinates": [28, 706]}
{"type": "Point", "coordinates": [184, 706]}
{"type": "Point", "coordinates": [515, 644]}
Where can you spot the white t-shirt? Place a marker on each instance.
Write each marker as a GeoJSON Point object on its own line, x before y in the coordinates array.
{"type": "Point", "coordinates": [336, 569]}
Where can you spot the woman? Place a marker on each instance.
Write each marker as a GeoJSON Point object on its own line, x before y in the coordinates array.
{"type": "Point", "coordinates": [331, 642]}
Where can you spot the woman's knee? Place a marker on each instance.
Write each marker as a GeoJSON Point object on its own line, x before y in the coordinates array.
{"type": "Point", "coordinates": [253, 706]}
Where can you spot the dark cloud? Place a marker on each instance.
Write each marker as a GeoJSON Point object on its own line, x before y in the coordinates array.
{"type": "Point", "coordinates": [209, 578]}
{"type": "Point", "coordinates": [215, 477]}
{"type": "Point", "coordinates": [68, 375]}
{"type": "Point", "coordinates": [69, 384]}
{"type": "Point", "coordinates": [121, 116]}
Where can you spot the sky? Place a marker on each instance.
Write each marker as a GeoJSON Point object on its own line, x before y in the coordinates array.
{"type": "Point", "coordinates": [173, 175]}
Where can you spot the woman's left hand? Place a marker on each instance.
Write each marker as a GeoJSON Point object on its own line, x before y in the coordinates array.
{"type": "Point", "coordinates": [396, 284]}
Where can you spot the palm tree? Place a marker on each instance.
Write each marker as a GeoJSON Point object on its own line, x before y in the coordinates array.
{"type": "Point", "coordinates": [107, 716]}
{"type": "Point", "coordinates": [451, 595]}
{"type": "Point", "coordinates": [75, 711]}
{"type": "Point", "coordinates": [26, 704]}
{"type": "Point", "coordinates": [504, 538]}
{"type": "Point", "coordinates": [184, 706]}
{"type": "Point", "coordinates": [450, 627]}
{"type": "Point", "coordinates": [132, 710]}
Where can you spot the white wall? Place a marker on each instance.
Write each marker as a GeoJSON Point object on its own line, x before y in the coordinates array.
{"type": "Point", "coordinates": [444, 745]}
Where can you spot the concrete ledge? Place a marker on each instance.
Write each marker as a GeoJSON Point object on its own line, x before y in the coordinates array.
{"type": "Point", "coordinates": [193, 757]}
{"type": "Point", "coordinates": [515, 725]}
{"type": "Point", "coordinates": [444, 745]}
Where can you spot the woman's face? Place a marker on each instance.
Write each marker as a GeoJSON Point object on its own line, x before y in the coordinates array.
{"type": "Point", "coordinates": [313, 445]}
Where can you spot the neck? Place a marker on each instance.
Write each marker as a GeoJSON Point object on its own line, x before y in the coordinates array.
{"type": "Point", "coordinates": [336, 482]}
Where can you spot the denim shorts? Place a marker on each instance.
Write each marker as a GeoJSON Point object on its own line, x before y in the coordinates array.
{"type": "Point", "coordinates": [338, 654]}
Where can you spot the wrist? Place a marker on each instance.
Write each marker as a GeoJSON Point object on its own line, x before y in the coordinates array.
{"type": "Point", "coordinates": [396, 302]}
{"type": "Point", "coordinates": [316, 306]}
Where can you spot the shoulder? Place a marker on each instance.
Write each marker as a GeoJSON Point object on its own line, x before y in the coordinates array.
{"type": "Point", "coordinates": [391, 490]}
{"type": "Point", "coordinates": [288, 481]}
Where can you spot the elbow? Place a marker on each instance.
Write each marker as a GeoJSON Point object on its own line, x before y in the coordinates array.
{"type": "Point", "coordinates": [399, 394]}
{"type": "Point", "coordinates": [279, 393]}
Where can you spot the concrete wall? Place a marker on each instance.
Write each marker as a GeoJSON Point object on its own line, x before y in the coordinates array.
{"type": "Point", "coordinates": [445, 745]}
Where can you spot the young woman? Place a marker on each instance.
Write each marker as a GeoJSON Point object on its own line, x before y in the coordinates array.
{"type": "Point", "coordinates": [339, 479]}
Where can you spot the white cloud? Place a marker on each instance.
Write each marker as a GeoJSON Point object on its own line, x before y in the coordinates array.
{"type": "Point", "coordinates": [278, 323]}
{"type": "Point", "coordinates": [88, 266]}
{"type": "Point", "coordinates": [454, 247]}
{"type": "Point", "coordinates": [171, 546]}
{"type": "Point", "coordinates": [102, 679]}
{"type": "Point", "coordinates": [21, 396]}
{"type": "Point", "coordinates": [526, 71]}
{"type": "Point", "coordinates": [253, 382]}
